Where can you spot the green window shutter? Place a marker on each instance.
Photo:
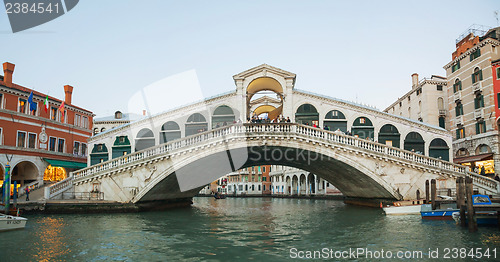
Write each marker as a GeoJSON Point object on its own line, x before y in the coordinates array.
{"type": "Point", "coordinates": [458, 64]}
{"type": "Point", "coordinates": [482, 101]}
{"type": "Point", "coordinates": [478, 52]}
{"type": "Point", "coordinates": [458, 133]}
{"type": "Point", "coordinates": [473, 80]}
{"type": "Point", "coordinates": [477, 128]}
{"type": "Point", "coordinates": [460, 85]}
{"type": "Point", "coordinates": [498, 100]}
{"type": "Point", "coordinates": [480, 74]}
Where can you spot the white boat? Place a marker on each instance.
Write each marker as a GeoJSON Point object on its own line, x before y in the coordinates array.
{"type": "Point", "coordinates": [8, 222]}
{"type": "Point", "coordinates": [403, 210]}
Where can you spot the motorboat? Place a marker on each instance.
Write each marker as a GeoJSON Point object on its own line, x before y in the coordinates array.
{"type": "Point", "coordinates": [404, 208]}
{"type": "Point", "coordinates": [8, 222]}
{"type": "Point", "coordinates": [443, 212]}
{"type": "Point", "coordinates": [487, 218]}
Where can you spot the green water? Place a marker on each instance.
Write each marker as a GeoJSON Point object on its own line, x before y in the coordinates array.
{"type": "Point", "coordinates": [242, 229]}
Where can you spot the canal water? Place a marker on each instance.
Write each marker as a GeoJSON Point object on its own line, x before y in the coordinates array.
{"type": "Point", "coordinates": [245, 229]}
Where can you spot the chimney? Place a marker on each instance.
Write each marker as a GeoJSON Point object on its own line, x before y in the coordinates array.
{"type": "Point", "coordinates": [8, 70]}
{"type": "Point", "coordinates": [143, 112]}
{"type": "Point", "coordinates": [68, 90]}
{"type": "Point", "coordinates": [414, 80]}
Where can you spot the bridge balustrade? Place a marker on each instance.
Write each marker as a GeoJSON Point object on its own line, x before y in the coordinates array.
{"type": "Point", "coordinates": [335, 137]}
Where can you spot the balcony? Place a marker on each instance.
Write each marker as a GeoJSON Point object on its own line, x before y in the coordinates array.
{"type": "Point", "coordinates": [476, 87]}
{"type": "Point", "coordinates": [458, 95]}
{"type": "Point", "coordinates": [442, 112]}
{"type": "Point", "coordinates": [459, 120]}
{"type": "Point", "coordinates": [479, 113]}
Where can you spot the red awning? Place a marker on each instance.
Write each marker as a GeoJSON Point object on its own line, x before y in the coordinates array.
{"type": "Point", "coordinates": [475, 158]}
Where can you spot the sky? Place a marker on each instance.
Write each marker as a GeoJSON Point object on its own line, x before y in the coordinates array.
{"type": "Point", "coordinates": [362, 51]}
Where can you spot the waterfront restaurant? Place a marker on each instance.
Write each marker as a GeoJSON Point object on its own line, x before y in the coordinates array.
{"type": "Point", "coordinates": [42, 138]}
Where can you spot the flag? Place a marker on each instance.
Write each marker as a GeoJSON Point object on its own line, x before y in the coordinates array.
{"type": "Point", "coordinates": [32, 104]}
{"type": "Point", "coordinates": [61, 108]}
{"type": "Point", "coordinates": [46, 103]}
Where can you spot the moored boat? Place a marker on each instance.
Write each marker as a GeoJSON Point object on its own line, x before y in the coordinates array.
{"type": "Point", "coordinates": [8, 222]}
{"type": "Point", "coordinates": [443, 212]}
{"type": "Point", "coordinates": [485, 218]}
{"type": "Point", "coordinates": [404, 208]}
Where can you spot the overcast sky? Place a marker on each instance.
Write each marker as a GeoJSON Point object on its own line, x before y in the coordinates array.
{"type": "Point", "coordinates": [354, 50]}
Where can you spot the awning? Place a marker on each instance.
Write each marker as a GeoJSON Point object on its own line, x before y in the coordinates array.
{"type": "Point", "coordinates": [67, 164]}
{"type": "Point", "coordinates": [475, 158]}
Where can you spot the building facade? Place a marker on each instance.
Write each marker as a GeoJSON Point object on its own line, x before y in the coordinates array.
{"type": "Point", "coordinates": [473, 100]}
{"type": "Point", "coordinates": [36, 143]}
{"type": "Point", "coordinates": [425, 102]}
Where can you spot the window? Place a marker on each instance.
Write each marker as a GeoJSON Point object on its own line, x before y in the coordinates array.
{"type": "Point", "coordinates": [498, 100]}
{"type": "Point", "coordinates": [22, 105]}
{"type": "Point", "coordinates": [459, 109]}
{"type": "Point", "coordinates": [498, 78]}
{"type": "Point", "coordinates": [439, 88]}
{"type": "Point", "coordinates": [1, 100]}
{"type": "Point", "coordinates": [264, 187]}
{"type": "Point", "coordinates": [455, 67]}
{"type": "Point", "coordinates": [85, 122]}
{"type": "Point", "coordinates": [52, 144]}
{"type": "Point", "coordinates": [400, 104]}
{"type": "Point", "coordinates": [21, 139]}
{"type": "Point", "coordinates": [475, 54]}
{"type": "Point", "coordinates": [409, 99]}
{"type": "Point", "coordinates": [419, 91]}
{"type": "Point", "coordinates": [84, 149]}
{"type": "Point", "coordinates": [442, 122]}
{"type": "Point", "coordinates": [480, 127]}
{"type": "Point", "coordinates": [263, 169]}
{"type": "Point", "coordinates": [460, 133]}
{"type": "Point", "coordinates": [457, 86]}
{"type": "Point", "coordinates": [259, 188]}
{"type": "Point", "coordinates": [479, 101]}
{"type": "Point", "coordinates": [78, 120]}
{"type": "Point", "coordinates": [362, 120]}
{"type": "Point", "coordinates": [60, 145]}
{"type": "Point", "coordinates": [477, 75]}
{"type": "Point", "coordinates": [31, 140]}
{"type": "Point", "coordinates": [53, 113]}
{"type": "Point", "coordinates": [76, 148]}
{"type": "Point", "coordinates": [1, 136]}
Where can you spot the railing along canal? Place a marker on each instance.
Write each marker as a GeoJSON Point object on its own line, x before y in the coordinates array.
{"type": "Point", "coordinates": [284, 129]}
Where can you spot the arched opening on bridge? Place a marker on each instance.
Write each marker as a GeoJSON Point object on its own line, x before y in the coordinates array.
{"type": "Point", "coordinates": [24, 172]}
{"type": "Point", "coordinates": [99, 154]}
{"type": "Point", "coordinates": [439, 149]}
{"type": "Point", "coordinates": [389, 135]}
{"type": "Point", "coordinates": [414, 142]}
{"type": "Point", "coordinates": [363, 128]}
{"type": "Point", "coordinates": [295, 185]}
{"type": "Point", "coordinates": [263, 111]}
{"type": "Point", "coordinates": [223, 115]}
{"type": "Point", "coordinates": [335, 120]}
{"type": "Point", "coordinates": [169, 131]}
{"type": "Point", "coordinates": [307, 115]}
{"type": "Point", "coordinates": [302, 185]}
{"type": "Point", "coordinates": [260, 85]}
{"type": "Point", "coordinates": [144, 139]}
{"type": "Point", "coordinates": [196, 123]}
{"type": "Point", "coordinates": [121, 147]}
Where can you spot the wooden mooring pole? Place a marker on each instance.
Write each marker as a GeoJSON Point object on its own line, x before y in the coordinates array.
{"type": "Point", "coordinates": [471, 215]}
{"type": "Point", "coordinates": [427, 191]}
{"type": "Point", "coordinates": [433, 194]}
{"type": "Point", "coordinates": [461, 199]}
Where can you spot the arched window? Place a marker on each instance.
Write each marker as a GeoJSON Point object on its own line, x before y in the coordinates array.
{"type": "Point", "coordinates": [439, 149]}
{"type": "Point", "coordinates": [336, 120]}
{"type": "Point", "coordinates": [477, 75]}
{"type": "Point", "coordinates": [196, 123]}
{"type": "Point", "coordinates": [99, 154]}
{"type": "Point", "coordinates": [223, 115]}
{"type": "Point", "coordinates": [144, 139]}
{"type": "Point", "coordinates": [414, 142]}
{"type": "Point", "coordinates": [363, 128]}
{"type": "Point", "coordinates": [103, 129]}
{"type": "Point", "coordinates": [121, 147]}
{"type": "Point", "coordinates": [440, 102]}
{"type": "Point", "coordinates": [169, 131]}
{"type": "Point", "coordinates": [307, 115]}
{"type": "Point", "coordinates": [389, 135]}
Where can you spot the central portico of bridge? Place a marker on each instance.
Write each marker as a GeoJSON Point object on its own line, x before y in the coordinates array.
{"type": "Point", "coordinates": [174, 154]}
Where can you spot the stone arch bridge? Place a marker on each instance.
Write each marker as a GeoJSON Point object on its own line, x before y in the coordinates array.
{"type": "Point", "coordinates": [179, 169]}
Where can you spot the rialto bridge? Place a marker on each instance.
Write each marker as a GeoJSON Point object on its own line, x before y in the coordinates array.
{"type": "Point", "coordinates": [174, 154]}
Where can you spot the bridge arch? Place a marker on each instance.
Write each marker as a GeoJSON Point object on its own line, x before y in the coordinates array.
{"type": "Point", "coordinates": [196, 123]}
{"type": "Point", "coordinates": [263, 84]}
{"type": "Point", "coordinates": [307, 114]}
{"type": "Point", "coordinates": [169, 131]}
{"type": "Point", "coordinates": [414, 142]}
{"type": "Point", "coordinates": [145, 138]}
{"type": "Point", "coordinates": [363, 128]}
{"type": "Point", "coordinates": [389, 135]}
{"type": "Point", "coordinates": [263, 109]}
{"type": "Point", "coordinates": [334, 120]}
{"type": "Point", "coordinates": [353, 178]}
{"type": "Point", "coordinates": [439, 149]}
